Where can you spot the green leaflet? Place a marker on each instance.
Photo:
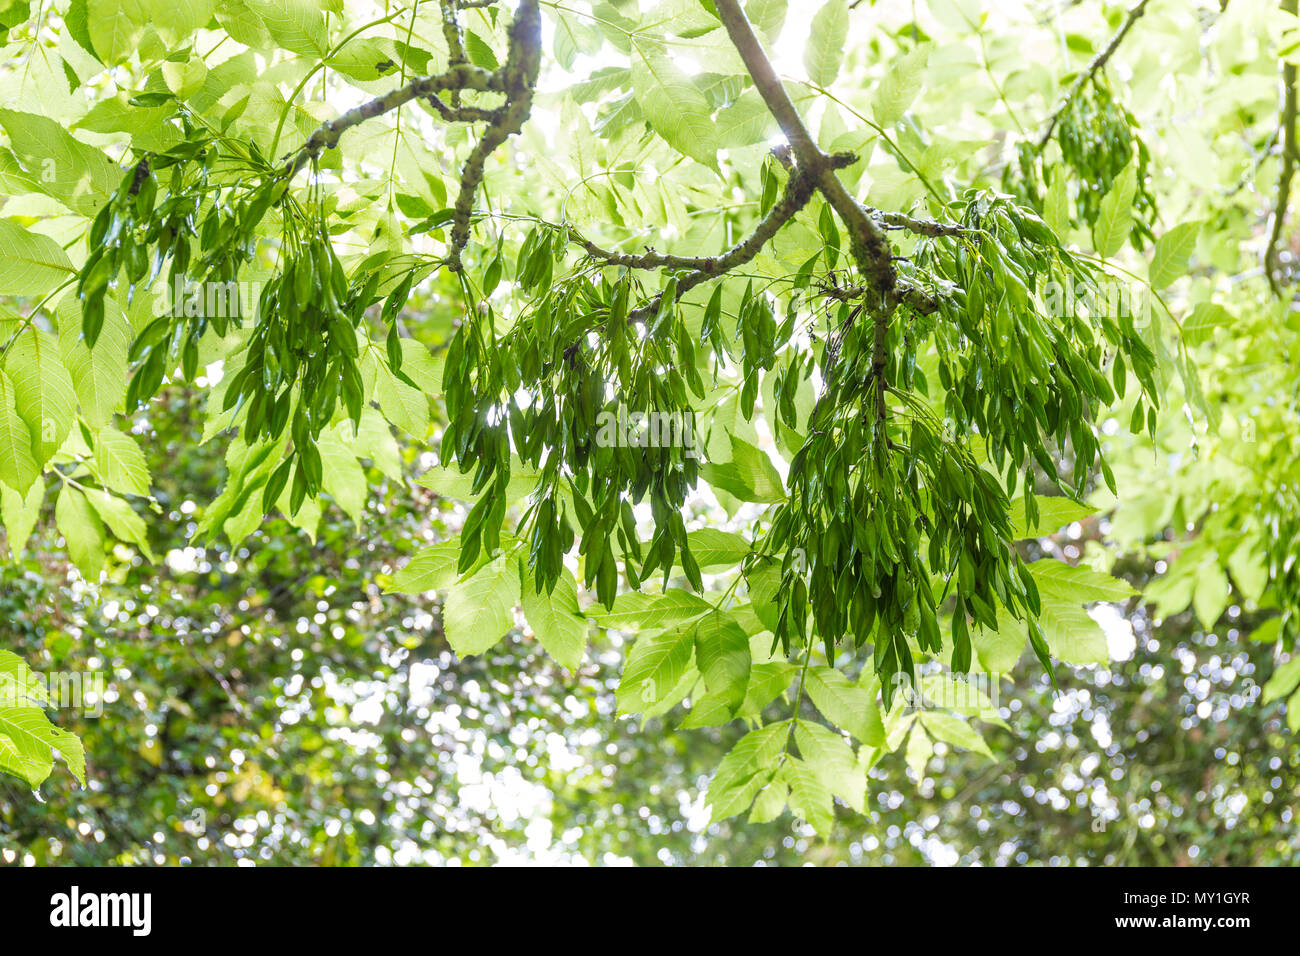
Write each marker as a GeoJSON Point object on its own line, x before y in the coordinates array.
{"type": "Point", "coordinates": [1078, 583]}
{"type": "Point", "coordinates": [1284, 680]}
{"type": "Point", "coordinates": [749, 476]}
{"type": "Point", "coordinates": [557, 621]}
{"type": "Point", "coordinates": [18, 466]}
{"type": "Point", "coordinates": [120, 518]}
{"type": "Point", "coordinates": [920, 748]}
{"type": "Point", "coordinates": [76, 174]}
{"type": "Point", "coordinates": [744, 122]}
{"type": "Point", "coordinates": [31, 264]}
{"type": "Point", "coordinates": [1116, 216]}
{"type": "Point", "coordinates": [1053, 514]}
{"type": "Point", "coordinates": [97, 373]}
{"type": "Point", "coordinates": [767, 16]}
{"type": "Point", "coordinates": [82, 530]}
{"type": "Point", "coordinates": [1056, 207]}
{"type": "Point", "coordinates": [845, 704]}
{"type": "Point", "coordinates": [826, 42]}
{"type": "Point", "coordinates": [421, 366]}
{"type": "Point", "coordinates": [953, 731]}
{"type": "Point", "coordinates": [18, 513]}
{"type": "Point", "coordinates": [374, 440]}
{"type": "Point", "coordinates": [722, 656]}
{"type": "Point", "coordinates": [1210, 598]}
{"type": "Point", "coordinates": [810, 797]}
{"type": "Point", "coordinates": [635, 610]}
{"type": "Point", "coordinates": [296, 25]}
{"type": "Point", "coordinates": [673, 106]}
{"type": "Point", "coordinates": [29, 743]}
{"type": "Point", "coordinates": [430, 569]}
{"type": "Point", "coordinates": [1198, 328]}
{"type": "Point", "coordinates": [1071, 633]}
{"type": "Point", "coordinates": [899, 86]}
{"type": "Point", "coordinates": [344, 478]}
{"type": "Point", "coordinates": [404, 406]}
{"type": "Point", "coordinates": [115, 29]}
{"type": "Point", "coordinates": [120, 463]}
{"type": "Point", "coordinates": [746, 769]}
{"type": "Point", "coordinates": [656, 664]}
{"type": "Point", "coordinates": [831, 759]}
{"type": "Point", "coordinates": [714, 549]}
{"type": "Point", "coordinates": [42, 391]}
{"type": "Point", "coordinates": [767, 681]}
{"type": "Point", "coordinates": [479, 611]}
{"type": "Point", "coordinates": [449, 482]}
{"type": "Point", "coordinates": [1173, 249]}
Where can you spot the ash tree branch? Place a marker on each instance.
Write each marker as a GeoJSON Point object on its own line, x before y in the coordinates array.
{"type": "Point", "coordinates": [464, 114]}
{"type": "Point", "coordinates": [781, 213]}
{"type": "Point", "coordinates": [798, 190]}
{"type": "Point", "coordinates": [455, 40]}
{"type": "Point", "coordinates": [867, 239]}
{"type": "Point", "coordinates": [451, 32]}
{"type": "Point", "coordinates": [1093, 68]}
{"type": "Point", "coordinates": [517, 80]}
{"type": "Point", "coordinates": [915, 298]}
{"type": "Point", "coordinates": [867, 242]}
{"type": "Point", "coordinates": [932, 228]}
{"type": "Point", "coordinates": [1272, 266]}
{"type": "Point", "coordinates": [461, 76]}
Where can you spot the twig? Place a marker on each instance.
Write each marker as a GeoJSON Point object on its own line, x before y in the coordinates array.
{"type": "Point", "coordinates": [519, 79]}
{"type": "Point", "coordinates": [716, 265]}
{"type": "Point", "coordinates": [1250, 174]}
{"type": "Point", "coordinates": [462, 76]}
{"type": "Point", "coordinates": [1271, 265]}
{"type": "Point", "coordinates": [451, 33]}
{"type": "Point", "coordinates": [921, 227]}
{"type": "Point", "coordinates": [1098, 62]}
{"type": "Point", "coordinates": [913, 297]}
{"type": "Point", "coordinates": [798, 190]}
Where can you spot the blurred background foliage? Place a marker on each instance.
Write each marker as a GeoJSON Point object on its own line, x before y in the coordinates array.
{"type": "Point", "coordinates": [265, 706]}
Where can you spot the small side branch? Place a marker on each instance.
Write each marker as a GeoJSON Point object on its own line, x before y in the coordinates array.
{"type": "Point", "coordinates": [932, 228]}
{"type": "Point", "coordinates": [798, 190]}
{"type": "Point", "coordinates": [915, 298]}
{"type": "Point", "coordinates": [464, 114]}
{"type": "Point", "coordinates": [451, 32]}
{"type": "Point", "coordinates": [462, 76]}
{"type": "Point", "coordinates": [1272, 265]}
{"type": "Point", "coordinates": [647, 260]}
{"type": "Point", "coordinates": [715, 265]}
{"type": "Point", "coordinates": [1095, 67]}
{"type": "Point", "coordinates": [519, 80]}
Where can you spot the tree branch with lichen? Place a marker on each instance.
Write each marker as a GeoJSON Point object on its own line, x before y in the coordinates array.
{"type": "Point", "coordinates": [461, 76]}
{"type": "Point", "coordinates": [716, 265]}
{"type": "Point", "coordinates": [867, 239]}
{"type": "Point", "coordinates": [517, 80]}
{"type": "Point", "coordinates": [798, 190]}
{"type": "Point", "coordinates": [931, 228]}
